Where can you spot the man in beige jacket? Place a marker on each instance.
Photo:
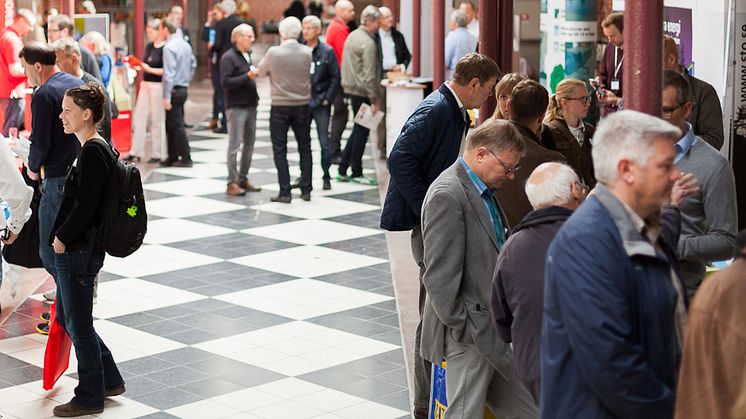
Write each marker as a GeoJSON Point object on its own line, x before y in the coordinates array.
{"type": "Point", "coordinates": [361, 81]}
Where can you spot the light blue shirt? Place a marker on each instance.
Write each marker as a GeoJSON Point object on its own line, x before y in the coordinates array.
{"type": "Point", "coordinates": [488, 197]}
{"type": "Point", "coordinates": [458, 43]}
{"type": "Point", "coordinates": [179, 64]}
{"type": "Point", "coordinates": [685, 143]}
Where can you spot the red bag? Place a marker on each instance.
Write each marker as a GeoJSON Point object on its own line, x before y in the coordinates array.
{"type": "Point", "coordinates": [57, 353]}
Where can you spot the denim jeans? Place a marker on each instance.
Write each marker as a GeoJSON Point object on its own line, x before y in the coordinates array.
{"type": "Point", "coordinates": [96, 368]}
{"type": "Point", "coordinates": [320, 115]}
{"type": "Point", "coordinates": [241, 135]}
{"type": "Point", "coordinates": [352, 156]}
{"type": "Point", "coordinates": [299, 119]}
{"type": "Point", "coordinates": [51, 199]}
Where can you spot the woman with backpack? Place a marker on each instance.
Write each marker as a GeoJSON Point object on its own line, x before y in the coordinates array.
{"type": "Point", "coordinates": [76, 258]}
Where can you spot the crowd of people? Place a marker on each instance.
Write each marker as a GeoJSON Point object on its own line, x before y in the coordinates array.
{"type": "Point", "coordinates": [558, 255]}
{"type": "Point", "coordinates": [562, 265]}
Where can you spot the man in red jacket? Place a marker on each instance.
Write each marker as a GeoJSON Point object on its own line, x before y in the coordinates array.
{"type": "Point", "coordinates": [336, 35]}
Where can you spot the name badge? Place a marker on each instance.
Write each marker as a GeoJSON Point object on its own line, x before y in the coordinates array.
{"type": "Point", "coordinates": [615, 84]}
{"type": "Point", "coordinates": [313, 67]}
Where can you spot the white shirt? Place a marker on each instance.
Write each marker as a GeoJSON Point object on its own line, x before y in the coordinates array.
{"type": "Point", "coordinates": [578, 133]}
{"type": "Point", "coordinates": [246, 57]}
{"type": "Point", "coordinates": [13, 190]}
{"type": "Point", "coordinates": [473, 27]}
{"type": "Point", "coordinates": [388, 49]}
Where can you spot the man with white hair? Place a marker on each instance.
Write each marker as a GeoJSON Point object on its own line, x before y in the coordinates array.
{"type": "Point", "coordinates": [12, 76]}
{"type": "Point", "coordinates": [223, 30]}
{"type": "Point", "coordinates": [614, 304]}
{"type": "Point", "coordinates": [459, 42]}
{"type": "Point", "coordinates": [288, 66]}
{"type": "Point", "coordinates": [62, 27]}
{"type": "Point", "coordinates": [241, 100]}
{"type": "Point", "coordinates": [555, 191]}
{"type": "Point", "coordinates": [361, 81]}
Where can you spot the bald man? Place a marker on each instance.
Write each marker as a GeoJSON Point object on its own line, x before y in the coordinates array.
{"type": "Point", "coordinates": [554, 191]}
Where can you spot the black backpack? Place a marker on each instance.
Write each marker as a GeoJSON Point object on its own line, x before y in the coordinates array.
{"type": "Point", "coordinates": [124, 220]}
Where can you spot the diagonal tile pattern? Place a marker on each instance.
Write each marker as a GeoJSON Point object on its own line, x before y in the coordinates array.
{"type": "Point", "coordinates": [237, 307]}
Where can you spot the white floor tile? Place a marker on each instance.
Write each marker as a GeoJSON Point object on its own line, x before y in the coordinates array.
{"type": "Point", "coordinates": [170, 230]}
{"type": "Point", "coordinates": [318, 207]}
{"type": "Point", "coordinates": [131, 295]}
{"type": "Point", "coordinates": [307, 261]}
{"type": "Point", "coordinates": [203, 409]}
{"type": "Point", "coordinates": [13, 396]}
{"type": "Point", "coordinates": [329, 400]}
{"type": "Point", "coordinates": [312, 232]}
{"type": "Point", "coordinates": [201, 170]}
{"type": "Point", "coordinates": [247, 399]}
{"type": "Point", "coordinates": [286, 410]}
{"type": "Point", "coordinates": [189, 187]}
{"type": "Point", "coordinates": [290, 388]}
{"type": "Point", "coordinates": [154, 259]}
{"type": "Point", "coordinates": [190, 206]}
{"type": "Point", "coordinates": [124, 408]}
{"type": "Point", "coordinates": [370, 410]}
{"type": "Point", "coordinates": [37, 409]}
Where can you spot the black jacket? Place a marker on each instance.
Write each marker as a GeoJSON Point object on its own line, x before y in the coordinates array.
{"type": "Point", "coordinates": [707, 115]}
{"type": "Point", "coordinates": [400, 45]}
{"type": "Point", "coordinates": [428, 144]}
{"type": "Point", "coordinates": [325, 76]}
{"type": "Point", "coordinates": [240, 90]}
{"type": "Point", "coordinates": [518, 289]}
{"type": "Point", "coordinates": [223, 30]}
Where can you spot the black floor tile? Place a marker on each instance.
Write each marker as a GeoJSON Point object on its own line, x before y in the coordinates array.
{"type": "Point", "coordinates": [146, 365]}
{"type": "Point", "coordinates": [234, 245]}
{"type": "Point", "coordinates": [243, 219]}
{"type": "Point", "coordinates": [398, 400]}
{"type": "Point", "coordinates": [158, 415]}
{"type": "Point", "coordinates": [164, 328]}
{"type": "Point", "coordinates": [395, 357]}
{"type": "Point", "coordinates": [371, 219]}
{"type": "Point", "coordinates": [374, 246]}
{"type": "Point", "coordinates": [184, 356]}
{"type": "Point", "coordinates": [136, 319]}
{"type": "Point", "coordinates": [177, 376]}
{"type": "Point", "coordinates": [370, 389]}
{"type": "Point", "coordinates": [153, 195]}
{"type": "Point", "coordinates": [167, 398]}
{"type": "Point", "coordinates": [140, 385]}
{"type": "Point", "coordinates": [397, 377]}
{"type": "Point", "coordinates": [349, 324]}
{"type": "Point", "coordinates": [21, 375]}
{"type": "Point", "coordinates": [194, 336]}
{"type": "Point", "coordinates": [210, 387]}
{"type": "Point", "coordinates": [156, 177]}
{"type": "Point", "coordinates": [369, 196]}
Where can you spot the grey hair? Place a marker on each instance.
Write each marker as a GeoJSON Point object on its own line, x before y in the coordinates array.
{"type": "Point", "coordinates": [497, 135]}
{"type": "Point", "coordinates": [460, 18]}
{"type": "Point", "coordinates": [228, 6]}
{"type": "Point", "coordinates": [66, 45]}
{"type": "Point", "coordinates": [242, 29]}
{"type": "Point", "coordinates": [549, 189]}
{"type": "Point", "coordinates": [154, 23]}
{"type": "Point", "coordinates": [290, 28]}
{"type": "Point", "coordinates": [313, 20]}
{"type": "Point", "coordinates": [27, 15]}
{"type": "Point", "coordinates": [626, 135]}
{"type": "Point", "coordinates": [369, 14]}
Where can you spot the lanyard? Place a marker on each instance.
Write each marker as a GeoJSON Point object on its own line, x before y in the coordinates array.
{"type": "Point", "coordinates": [617, 66]}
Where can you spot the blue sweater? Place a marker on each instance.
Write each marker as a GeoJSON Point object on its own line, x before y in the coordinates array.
{"type": "Point", "coordinates": [50, 146]}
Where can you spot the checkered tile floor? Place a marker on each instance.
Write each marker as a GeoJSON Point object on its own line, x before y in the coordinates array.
{"type": "Point", "coordinates": [237, 307]}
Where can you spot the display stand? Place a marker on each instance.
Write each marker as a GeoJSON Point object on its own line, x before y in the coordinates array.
{"type": "Point", "coordinates": [401, 102]}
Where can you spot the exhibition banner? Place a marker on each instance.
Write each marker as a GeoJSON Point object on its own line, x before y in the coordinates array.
{"type": "Point", "coordinates": [677, 23]}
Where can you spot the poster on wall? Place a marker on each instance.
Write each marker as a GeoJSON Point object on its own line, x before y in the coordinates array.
{"type": "Point", "coordinates": [677, 23]}
{"type": "Point", "coordinates": [739, 110]}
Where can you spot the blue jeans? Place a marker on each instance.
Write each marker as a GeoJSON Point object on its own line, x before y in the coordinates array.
{"type": "Point", "coordinates": [51, 199]}
{"type": "Point", "coordinates": [321, 115]}
{"type": "Point", "coordinates": [352, 156]}
{"type": "Point", "coordinates": [97, 371]}
{"type": "Point", "coordinates": [299, 119]}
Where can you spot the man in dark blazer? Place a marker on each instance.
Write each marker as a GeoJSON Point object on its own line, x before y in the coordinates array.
{"type": "Point", "coordinates": [429, 143]}
{"type": "Point", "coordinates": [223, 30]}
{"type": "Point", "coordinates": [463, 230]}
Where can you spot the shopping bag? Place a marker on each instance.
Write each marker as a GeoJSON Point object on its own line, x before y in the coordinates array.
{"type": "Point", "coordinates": [57, 353]}
{"type": "Point", "coordinates": [438, 400]}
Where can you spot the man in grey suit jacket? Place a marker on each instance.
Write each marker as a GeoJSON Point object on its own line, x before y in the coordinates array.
{"type": "Point", "coordinates": [463, 230]}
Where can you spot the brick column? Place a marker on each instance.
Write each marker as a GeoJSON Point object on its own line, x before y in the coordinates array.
{"type": "Point", "coordinates": [642, 55]}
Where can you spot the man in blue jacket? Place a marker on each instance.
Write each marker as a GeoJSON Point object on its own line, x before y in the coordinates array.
{"type": "Point", "coordinates": [428, 144]}
{"type": "Point", "coordinates": [325, 80]}
{"type": "Point", "coordinates": [614, 303]}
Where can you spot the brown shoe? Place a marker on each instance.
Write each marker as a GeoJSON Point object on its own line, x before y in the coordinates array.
{"type": "Point", "coordinates": [246, 185]}
{"type": "Point", "coordinates": [213, 123]}
{"type": "Point", "coordinates": [116, 391]}
{"type": "Point", "coordinates": [72, 409]}
{"type": "Point", "coordinates": [235, 190]}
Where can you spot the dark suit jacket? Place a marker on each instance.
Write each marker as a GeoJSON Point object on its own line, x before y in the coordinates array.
{"type": "Point", "coordinates": [460, 256]}
{"type": "Point", "coordinates": [707, 115]}
{"type": "Point", "coordinates": [400, 46]}
{"type": "Point", "coordinates": [223, 30]}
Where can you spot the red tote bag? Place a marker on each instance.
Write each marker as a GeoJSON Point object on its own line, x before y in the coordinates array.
{"type": "Point", "coordinates": [57, 354]}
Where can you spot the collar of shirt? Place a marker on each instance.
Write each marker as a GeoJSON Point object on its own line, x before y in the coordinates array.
{"type": "Point", "coordinates": [384, 34]}
{"type": "Point", "coordinates": [685, 143]}
{"type": "Point", "coordinates": [650, 228]}
{"type": "Point", "coordinates": [458, 101]}
{"type": "Point", "coordinates": [287, 41]}
{"type": "Point", "coordinates": [480, 185]}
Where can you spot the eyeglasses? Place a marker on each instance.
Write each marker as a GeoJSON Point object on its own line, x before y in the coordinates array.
{"type": "Point", "coordinates": [667, 113]}
{"type": "Point", "coordinates": [508, 169]}
{"type": "Point", "coordinates": [53, 30]}
{"type": "Point", "coordinates": [584, 100]}
{"type": "Point", "coordinates": [584, 189]}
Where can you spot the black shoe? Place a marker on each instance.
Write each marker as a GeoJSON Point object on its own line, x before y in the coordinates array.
{"type": "Point", "coordinates": [306, 196]}
{"type": "Point", "coordinates": [285, 199]}
{"type": "Point", "coordinates": [154, 161]}
{"type": "Point", "coordinates": [44, 317]}
{"type": "Point", "coordinates": [166, 163]}
{"type": "Point", "coordinates": [327, 184]}
{"type": "Point", "coordinates": [221, 130]}
{"type": "Point", "coordinates": [248, 187]}
{"type": "Point", "coordinates": [72, 409]}
{"type": "Point", "coordinates": [336, 160]}
{"type": "Point", "coordinates": [116, 391]}
{"type": "Point", "coordinates": [188, 125]}
{"type": "Point", "coordinates": [183, 163]}
{"type": "Point", "coordinates": [131, 158]}
{"type": "Point", "coordinates": [42, 328]}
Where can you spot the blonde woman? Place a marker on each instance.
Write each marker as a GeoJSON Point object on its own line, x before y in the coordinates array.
{"type": "Point", "coordinates": [149, 113]}
{"type": "Point", "coordinates": [100, 47]}
{"type": "Point", "coordinates": [572, 137]}
{"type": "Point", "coordinates": [503, 92]}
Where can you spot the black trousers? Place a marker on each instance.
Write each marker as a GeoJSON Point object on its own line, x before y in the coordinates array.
{"type": "Point", "coordinates": [352, 156]}
{"type": "Point", "coordinates": [299, 119]}
{"type": "Point", "coordinates": [178, 144]}
{"type": "Point", "coordinates": [339, 122]}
